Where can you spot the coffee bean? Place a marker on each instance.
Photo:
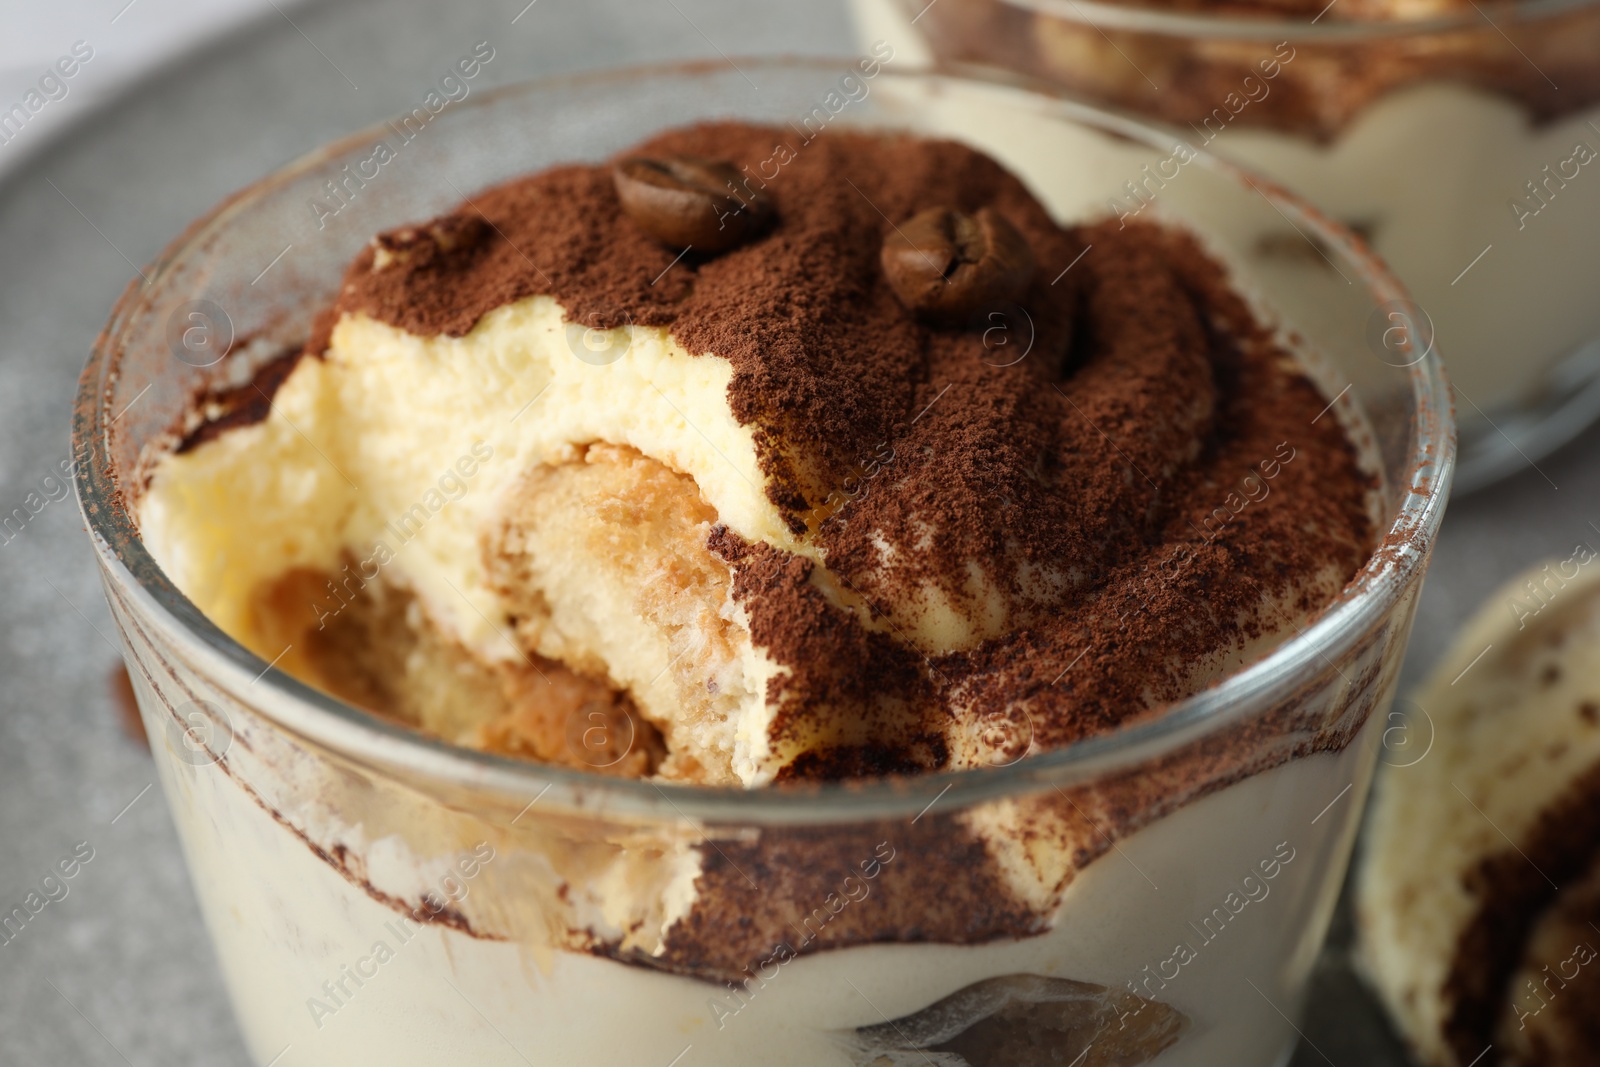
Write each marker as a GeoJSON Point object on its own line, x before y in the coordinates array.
{"type": "Point", "coordinates": [945, 265]}
{"type": "Point", "coordinates": [412, 245]}
{"type": "Point", "coordinates": [685, 201]}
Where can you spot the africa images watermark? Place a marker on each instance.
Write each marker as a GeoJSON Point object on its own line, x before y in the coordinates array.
{"type": "Point", "coordinates": [1408, 738]}
{"type": "Point", "coordinates": [599, 342]}
{"type": "Point", "coordinates": [853, 888]}
{"type": "Point", "coordinates": [853, 486]}
{"type": "Point", "coordinates": [1538, 592]}
{"type": "Point", "coordinates": [1542, 190]}
{"type": "Point", "coordinates": [52, 85]}
{"type": "Point", "coordinates": [340, 990]}
{"type": "Point", "coordinates": [345, 588]}
{"type": "Point", "coordinates": [1252, 489]}
{"type": "Point", "coordinates": [852, 88]}
{"type": "Point", "coordinates": [1141, 191]}
{"type": "Point", "coordinates": [52, 889]}
{"type": "Point", "coordinates": [51, 488]}
{"type": "Point", "coordinates": [1252, 888]}
{"type": "Point", "coordinates": [1581, 956]}
{"type": "Point", "coordinates": [453, 88]}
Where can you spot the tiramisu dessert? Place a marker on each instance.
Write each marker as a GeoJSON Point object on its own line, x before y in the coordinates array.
{"type": "Point", "coordinates": [870, 468]}
{"type": "Point", "coordinates": [775, 499]}
{"type": "Point", "coordinates": [1479, 902]}
{"type": "Point", "coordinates": [1458, 138]}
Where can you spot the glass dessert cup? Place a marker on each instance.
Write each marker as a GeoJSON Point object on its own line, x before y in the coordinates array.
{"type": "Point", "coordinates": [374, 893]}
{"type": "Point", "coordinates": [1454, 139]}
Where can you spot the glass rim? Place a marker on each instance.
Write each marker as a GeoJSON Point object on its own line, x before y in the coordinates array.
{"type": "Point", "coordinates": [1113, 15]}
{"type": "Point", "coordinates": [373, 741]}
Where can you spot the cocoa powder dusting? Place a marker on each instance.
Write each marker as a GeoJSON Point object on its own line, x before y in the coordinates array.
{"type": "Point", "coordinates": [1120, 503]}
{"type": "Point", "coordinates": [249, 403]}
{"type": "Point", "coordinates": [1124, 483]}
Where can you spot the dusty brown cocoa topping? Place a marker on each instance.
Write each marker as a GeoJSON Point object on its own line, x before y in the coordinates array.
{"type": "Point", "coordinates": [1550, 868]}
{"type": "Point", "coordinates": [1550, 1020]}
{"type": "Point", "coordinates": [771, 891]}
{"type": "Point", "coordinates": [1304, 84]}
{"type": "Point", "coordinates": [1136, 473]}
{"type": "Point", "coordinates": [242, 405]}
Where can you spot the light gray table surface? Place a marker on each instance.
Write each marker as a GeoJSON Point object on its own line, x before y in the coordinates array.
{"type": "Point", "coordinates": [119, 971]}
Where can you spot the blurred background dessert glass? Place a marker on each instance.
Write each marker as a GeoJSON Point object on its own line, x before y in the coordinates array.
{"type": "Point", "coordinates": [1458, 138]}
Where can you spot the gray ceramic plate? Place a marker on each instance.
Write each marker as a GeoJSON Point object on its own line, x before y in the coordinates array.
{"type": "Point", "coordinates": [119, 971]}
